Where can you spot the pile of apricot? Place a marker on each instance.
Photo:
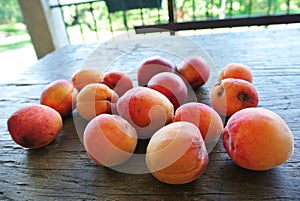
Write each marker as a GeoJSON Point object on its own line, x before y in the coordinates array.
{"type": "Point", "coordinates": [181, 133]}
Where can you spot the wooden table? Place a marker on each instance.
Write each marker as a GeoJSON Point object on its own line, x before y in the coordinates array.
{"type": "Point", "coordinates": [63, 171]}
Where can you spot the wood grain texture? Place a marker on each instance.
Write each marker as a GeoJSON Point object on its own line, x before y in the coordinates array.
{"type": "Point", "coordinates": [63, 171]}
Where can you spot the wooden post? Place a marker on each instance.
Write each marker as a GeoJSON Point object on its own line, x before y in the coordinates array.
{"type": "Point", "coordinates": [171, 16]}
{"type": "Point", "coordinates": [45, 26]}
{"type": "Point", "coordinates": [222, 10]}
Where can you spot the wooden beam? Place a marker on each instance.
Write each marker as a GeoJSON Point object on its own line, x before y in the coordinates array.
{"type": "Point", "coordinates": [44, 25]}
{"type": "Point", "coordinates": [221, 23]}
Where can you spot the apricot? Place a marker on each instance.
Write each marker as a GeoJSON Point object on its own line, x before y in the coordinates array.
{"type": "Point", "coordinates": [118, 81]}
{"type": "Point", "coordinates": [95, 99]}
{"type": "Point", "coordinates": [258, 139]}
{"type": "Point", "coordinates": [205, 118]}
{"type": "Point", "coordinates": [195, 70]}
{"type": "Point", "coordinates": [176, 153]}
{"type": "Point", "coordinates": [231, 95]}
{"type": "Point", "coordinates": [109, 140]}
{"type": "Point", "coordinates": [34, 126]}
{"type": "Point", "coordinates": [85, 76]}
{"type": "Point", "coordinates": [152, 66]}
{"type": "Point", "coordinates": [236, 70]}
{"type": "Point", "coordinates": [170, 85]}
{"type": "Point", "coordinates": [146, 109]}
{"type": "Point", "coordinates": [60, 95]}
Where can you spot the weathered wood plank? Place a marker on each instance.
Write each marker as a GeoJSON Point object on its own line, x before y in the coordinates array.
{"type": "Point", "coordinates": [63, 171]}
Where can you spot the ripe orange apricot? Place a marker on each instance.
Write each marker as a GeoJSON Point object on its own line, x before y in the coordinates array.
{"type": "Point", "coordinates": [109, 140]}
{"type": "Point", "coordinates": [118, 81]}
{"type": "Point", "coordinates": [85, 76]}
{"type": "Point", "coordinates": [34, 126]}
{"type": "Point", "coordinates": [258, 139]}
{"type": "Point", "coordinates": [231, 95]}
{"type": "Point", "coordinates": [236, 70]}
{"type": "Point", "coordinates": [170, 85]}
{"type": "Point", "coordinates": [95, 99]}
{"type": "Point", "coordinates": [176, 153]}
{"type": "Point", "coordinates": [195, 70]}
{"type": "Point", "coordinates": [60, 95]}
{"type": "Point", "coordinates": [146, 109]}
{"type": "Point", "coordinates": [205, 118]}
{"type": "Point", "coordinates": [152, 66]}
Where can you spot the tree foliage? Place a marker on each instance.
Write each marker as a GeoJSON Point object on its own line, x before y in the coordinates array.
{"type": "Point", "coordinates": [10, 12]}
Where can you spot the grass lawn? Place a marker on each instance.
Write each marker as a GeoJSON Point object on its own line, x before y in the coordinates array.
{"type": "Point", "coordinates": [13, 36]}
{"type": "Point", "coordinates": [15, 29]}
{"type": "Point", "coordinates": [16, 51]}
{"type": "Point", "coordinates": [14, 45]}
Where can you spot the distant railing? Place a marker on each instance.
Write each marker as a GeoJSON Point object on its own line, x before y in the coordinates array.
{"type": "Point", "coordinates": [90, 20]}
{"type": "Point", "coordinates": [95, 20]}
{"type": "Point", "coordinates": [228, 13]}
{"type": "Point", "coordinates": [81, 18]}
